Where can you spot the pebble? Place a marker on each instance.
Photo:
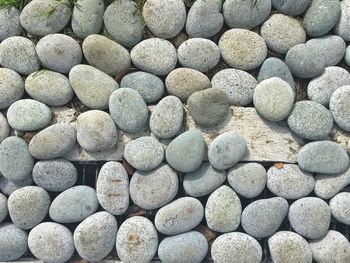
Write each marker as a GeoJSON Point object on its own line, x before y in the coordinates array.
{"type": "Point", "coordinates": [223, 210]}
{"type": "Point", "coordinates": [321, 17]}
{"type": "Point", "coordinates": [236, 247]}
{"type": "Point", "coordinates": [324, 157]}
{"type": "Point", "coordinates": [55, 175]}
{"type": "Point", "coordinates": [43, 17]}
{"type": "Point", "coordinates": [92, 86]}
{"type": "Point", "coordinates": [94, 237]}
{"type": "Point", "coordinates": [238, 84]}
{"type": "Point", "coordinates": [74, 204]}
{"type": "Point", "coordinates": [3, 208]}
{"type": "Point", "coordinates": [287, 246]}
{"type": "Point", "coordinates": [154, 189]}
{"type": "Point", "coordinates": [28, 206]}
{"type": "Point", "coordinates": [96, 131]}
{"type": "Point", "coordinates": [18, 53]}
{"type": "Point", "coordinates": [54, 141]}
{"type": "Point", "coordinates": [290, 7]}
{"type": "Point", "coordinates": [137, 240]}
{"type": "Point", "coordinates": [186, 152]}
{"type": "Point", "coordinates": [150, 87]}
{"type": "Point", "coordinates": [339, 205]}
{"type": "Point", "coordinates": [328, 185]}
{"type": "Point", "coordinates": [7, 187]}
{"type": "Point", "coordinates": [51, 242]}
{"type": "Point", "coordinates": [128, 110]}
{"type": "Point", "coordinates": [9, 23]}
{"type": "Point", "coordinates": [290, 181]}
{"type": "Point", "coordinates": [263, 217]}
{"type": "Point", "coordinates": [203, 181]}
{"type": "Point", "coordinates": [87, 17]}
{"type": "Point", "coordinates": [340, 107]}
{"type": "Point", "coordinates": [226, 150]}
{"type": "Point", "coordinates": [112, 188]}
{"type": "Point", "coordinates": [187, 247]}
{"type": "Point", "coordinates": [273, 99]}
{"type": "Point", "coordinates": [241, 48]}
{"type": "Point", "coordinates": [126, 15]}
{"type": "Point", "coordinates": [247, 179]}
{"type": "Point", "coordinates": [341, 28]}
{"type": "Point", "coordinates": [105, 54]}
{"type": "Point", "coordinates": [11, 87]}
{"type": "Point", "coordinates": [204, 18]}
{"type": "Point", "coordinates": [13, 242]}
{"type": "Point", "coordinates": [310, 217]}
{"type": "Point", "coordinates": [347, 56]}
{"type": "Point", "coordinates": [16, 163]}
{"type": "Point", "coordinates": [183, 82]}
{"type": "Point", "coordinates": [4, 128]}
{"type": "Point", "coordinates": [166, 118]}
{"type": "Point", "coordinates": [179, 216]}
{"type": "Point", "coordinates": [164, 18]}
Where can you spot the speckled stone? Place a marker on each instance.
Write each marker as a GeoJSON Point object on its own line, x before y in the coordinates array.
{"type": "Point", "coordinates": [7, 187]}
{"type": "Point", "coordinates": [3, 208]}
{"type": "Point", "coordinates": [340, 205]}
{"type": "Point", "coordinates": [11, 87]}
{"type": "Point", "coordinates": [187, 247]}
{"type": "Point", "coordinates": [236, 247]}
{"type": "Point", "coordinates": [51, 242]}
{"type": "Point", "coordinates": [340, 107]}
{"type": "Point", "coordinates": [9, 23]}
{"type": "Point", "coordinates": [247, 179]}
{"type": "Point", "coordinates": [74, 204]}
{"type": "Point", "coordinates": [4, 128]}
{"type": "Point", "coordinates": [291, 7]}
{"type": "Point", "coordinates": [242, 49]}
{"type": "Point", "coordinates": [342, 27]}
{"type": "Point", "coordinates": [112, 188]}
{"type": "Point", "coordinates": [347, 56]}
{"type": "Point", "coordinates": [13, 242]}
{"type": "Point", "coordinates": [238, 84]}
{"type": "Point", "coordinates": [54, 141]}
{"type": "Point", "coordinates": [94, 237]}
{"type": "Point", "coordinates": [28, 206]}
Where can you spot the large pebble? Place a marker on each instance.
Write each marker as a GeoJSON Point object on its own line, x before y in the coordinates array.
{"type": "Point", "coordinates": [11, 87]}
{"type": "Point", "coordinates": [14, 242]}
{"type": "Point", "coordinates": [340, 205]}
{"type": "Point", "coordinates": [54, 141]}
{"type": "Point", "coordinates": [3, 207]}
{"type": "Point", "coordinates": [74, 204]}
{"type": "Point", "coordinates": [342, 27]}
{"type": "Point", "coordinates": [137, 240]}
{"type": "Point", "coordinates": [18, 53]}
{"type": "Point", "coordinates": [154, 189]}
{"type": "Point", "coordinates": [28, 206]}
{"type": "Point", "coordinates": [323, 157]}
{"type": "Point", "coordinates": [291, 7]}
{"type": "Point", "coordinates": [340, 107]}
{"type": "Point", "coordinates": [112, 188]}
{"type": "Point", "coordinates": [94, 237]}
{"type": "Point", "coordinates": [7, 187]}
{"type": "Point", "coordinates": [4, 128]}
{"type": "Point", "coordinates": [9, 23]}
{"type": "Point", "coordinates": [92, 86]}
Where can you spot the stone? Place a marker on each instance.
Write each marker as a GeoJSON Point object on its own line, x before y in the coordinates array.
{"type": "Point", "coordinates": [310, 217]}
{"type": "Point", "coordinates": [7, 187]}
{"type": "Point", "coordinates": [13, 242]}
{"type": "Point", "coordinates": [54, 141]}
{"type": "Point", "coordinates": [112, 188]}
{"type": "Point", "coordinates": [51, 242]}
{"type": "Point", "coordinates": [4, 128]}
{"type": "Point", "coordinates": [339, 206]}
{"type": "Point", "coordinates": [92, 86]}
{"type": "Point", "coordinates": [188, 247]}
{"type": "Point", "coordinates": [126, 15]}
{"type": "Point", "coordinates": [154, 189]}
{"type": "Point", "coordinates": [340, 108]}
{"type": "Point", "coordinates": [347, 56]}
{"type": "Point", "coordinates": [94, 237]}
{"type": "Point", "coordinates": [324, 157]}
{"type": "Point", "coordinates": [43, 17]}
{"type": "Point", "coordinates": [137, 240]}
{"type": "Point", "coordinates": [11, 87]}
{"type": "Point", "coordinates": [155, 55]}
{"type": "Point", "coordinates": [238, 84]}
{"type": "Point", "coordinates": [55, 175]}
{"type": "Point", "coordinates": [128, 110]}
{"type": "Point", "coordinates": [9, 21]}
{"type": "Point", "coordinates": [3, 208]}
{"type": "Point", "coordinates": [223, 210]}
{"type": "Point", "coordinates": [241, 48]}
{"type": "Point", "coordinates": [203, 181]}
{"type": "Point", "coordinates": [28, 206]}
{"type": "Point", "coordinates": [247, 179]}
{"type": "Point", "coordinates": [226, 150]}
{"type": "Point", "coordinates": [236, 247]}
{"type": "Point", "coordinates": [105, 54]}
{"type": "Point", "coordinates": [16, 163]}
{"type": "Point", "coordinates": [150, 87]}
{"type": "Point", "coordinates": [18, 53]}
{"type": "Point", "coordinates": [263, 217]}
{"type": "Point", "coordinates": [179, 216]}
{"type": "Point", "coordinates": [186, 152]}
{"type": "Point", "coordinates": [74, 204]}
{"type": "Point", "coordinates": [290, 7]}
{"type": "Point", "coordinates": [166, 118]}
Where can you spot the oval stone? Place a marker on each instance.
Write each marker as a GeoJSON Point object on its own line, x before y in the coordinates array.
{"type": "Point", "coordinates": [340, 205]}
{"type": "Point", "coordinates": [328, 185]}
{"type": "Point", "coordinates": [8, 187]}
{"type": "Point", "coordinates": [290, 7]}
{"type": "Point", "coordinates": [3, 208]}
{"type": "Point", "coordinates": [14, 242]}
{"type": "Point", "coordinates": [340, 107]}
{"type": "Point", "coordinates": [9, 22]}
{"type": "Point", "coordinates": [11, 87]}
{"type": "Point", "coordinates": [342, 27]}
{"type": "Point", "coordinates": [4, 128]}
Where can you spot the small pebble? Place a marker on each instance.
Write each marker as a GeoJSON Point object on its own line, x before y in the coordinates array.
{"type": "Point", "coordinates": [291, 7]}
{"type": "Point", "coordinates": [7, 187]}
{"type": "Point", "coordinates": [9, 23]}
{"type": "Point", "coordinates": [13, 242]}
{"type": "Point", "coordinates": [340, 107]}
{"type": "Point", "coordinates": [3, 208]}
{"type": "Point", "coordinates": [340, 205]}
{"type": "Point", "coordinates": [11, 87]}
{"type": "Point", "coordinates": [4, 128]}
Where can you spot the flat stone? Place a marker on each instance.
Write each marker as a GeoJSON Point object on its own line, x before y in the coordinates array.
{"type": "Point", "coordinates": [13, 242]}
{"type": "Point", "coordinates": [11, 87]}
{"type": "Point", "coordinates": [7, 187]}
{"type": "Point", "coordinates": [339, 206]}
{"type": "Point", "coordinates": [340, 108]}
{"type": "Point", "coordinates": [3, 208]}
{"type": "Point", "coordinates": [9, 23]}
{"type": "Point", "coordinates": [290, 7]}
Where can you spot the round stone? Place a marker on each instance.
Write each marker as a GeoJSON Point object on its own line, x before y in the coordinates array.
{"type": "Point", "coordinates": [154, 189]}
{"type": "Point", "coordinates": [55, 175]}
{"type": "Point", "coordinates": [328, 185]}
{"type": "Point", "coordinates": [247, 179]}
{"type": "Point", "coordinates": [290, 7]}
{"type": "Point", "coordinates": [13, 242]}
{"type": "Point", "coordinates": [128, 110]}
{"type": "Point", "coordinates": [9, 23]}
{"type": "Point", "coordinates": [11, 87]}
{"type": "Point", "coordinates": [8, 187]}
{"type": "Point", "coordinates": [339, 205]}
{"type": "Point", "coordinates": [342, 27]}
{"type": "Point", "coordinates": [340, 107]}
{"type": "Point", "coordinates": [28, 206]}
{"type": "Point", "coordinates": [3, 208]}
{"type": "Point", "coordinates": [4, 128]}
